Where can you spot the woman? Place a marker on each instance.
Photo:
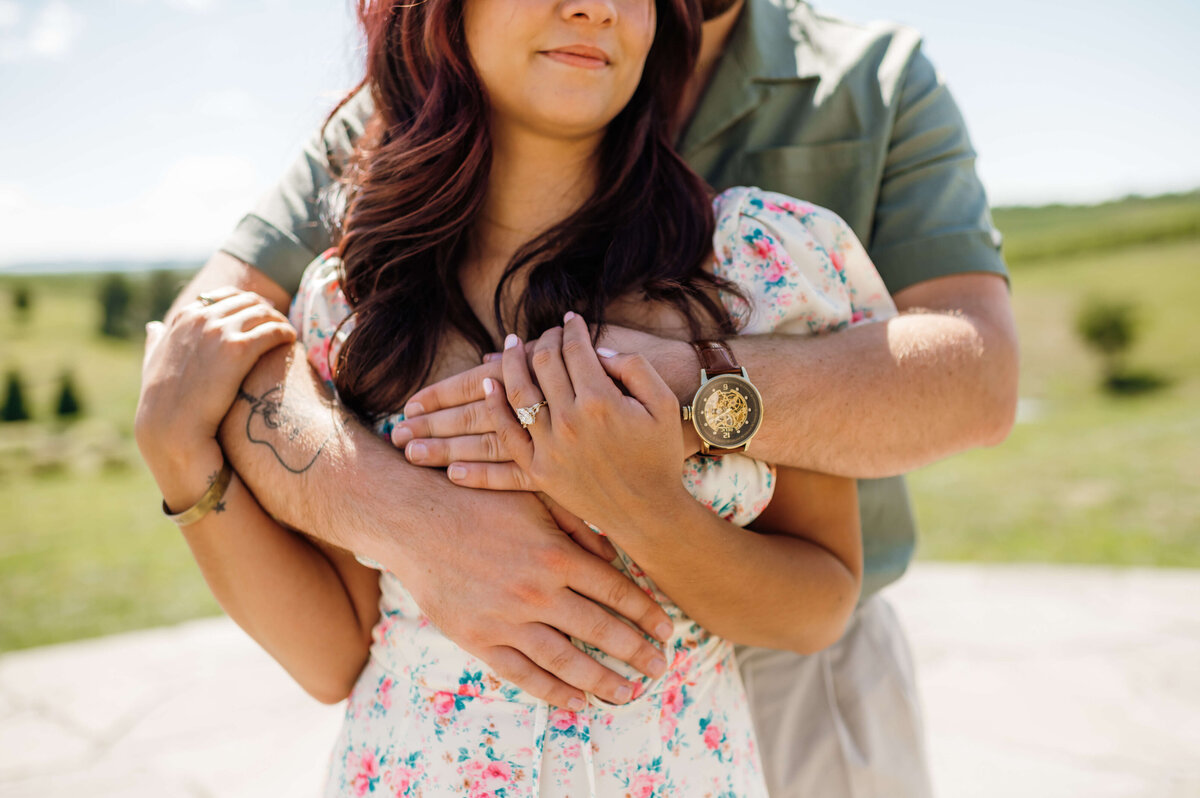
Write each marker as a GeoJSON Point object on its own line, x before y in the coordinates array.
{"type": "Point", "coordinates": [521, 189]}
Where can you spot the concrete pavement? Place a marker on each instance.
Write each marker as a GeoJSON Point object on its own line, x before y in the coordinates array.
{"type": "Point", "coordinates": [1038, 681]}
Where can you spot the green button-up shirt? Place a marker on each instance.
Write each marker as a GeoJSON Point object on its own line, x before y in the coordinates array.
{"type": "Point", "coordinates": [851, 117]}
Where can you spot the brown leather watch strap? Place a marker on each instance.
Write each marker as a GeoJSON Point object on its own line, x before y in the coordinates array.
{"type": "Point", "coordinates": [716, 358]}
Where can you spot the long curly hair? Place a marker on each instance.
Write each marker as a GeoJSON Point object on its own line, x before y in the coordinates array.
{"type": "Point", "coordinates": [414, 186]}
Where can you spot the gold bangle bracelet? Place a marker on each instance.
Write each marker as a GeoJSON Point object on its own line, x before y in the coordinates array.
{"type": "Point", "coordinates": [209, 501]}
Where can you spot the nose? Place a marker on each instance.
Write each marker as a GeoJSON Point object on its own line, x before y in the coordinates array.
{"type": "Point", "coordinates": [597, 12]}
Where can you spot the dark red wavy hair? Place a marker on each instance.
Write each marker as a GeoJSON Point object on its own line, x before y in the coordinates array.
{"type": "Point", "coordinates": [417, 180]}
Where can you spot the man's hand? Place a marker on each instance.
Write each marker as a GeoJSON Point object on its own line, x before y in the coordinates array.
{"type": "Point", "coordinates": [511, 588]}
{"type": "Point", "coordinates": [447, 424]}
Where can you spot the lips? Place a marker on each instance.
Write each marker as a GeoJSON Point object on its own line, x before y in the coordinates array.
{"type": "Point", "coordinates": [580, 55]}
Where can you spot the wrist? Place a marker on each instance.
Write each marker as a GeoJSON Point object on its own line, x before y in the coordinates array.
{"type": "Point", "coordinates": [677, 364]}
{"type": "Point", "coordinates": [184, 474]}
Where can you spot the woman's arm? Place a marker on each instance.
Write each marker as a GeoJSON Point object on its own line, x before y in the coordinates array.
{"type": "Point", "coordinates": [311, 611]}
{"type": "Point", "coordinates": [789, 581]}
{"type": "Point", "coordinates": [615, 460]}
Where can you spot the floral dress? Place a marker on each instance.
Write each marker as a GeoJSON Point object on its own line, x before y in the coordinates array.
{"type": "Point", "coordinates": [425, 718]}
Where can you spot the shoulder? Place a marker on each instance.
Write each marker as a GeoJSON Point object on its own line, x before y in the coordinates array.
{"type": "Point", "coordinates": [833, 47]}
{"type": "Point", "coordinates": [746, 208]}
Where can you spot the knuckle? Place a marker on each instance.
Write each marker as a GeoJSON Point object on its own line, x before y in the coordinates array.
{"type": "Point", "coordinates": [491, 446]}
{"type": "Point", "coordinates": [528, 593]}
{"type": "Point", "coordinates": [542, 357]}
{"type": "Point", "coordinates": [618, 591]}
{"type": "Point", "coordinates": [560, 660]}
{"type": "Point", "coordinates": [574, 348]}
{"type": "Point", "coordinates": [554, 559]}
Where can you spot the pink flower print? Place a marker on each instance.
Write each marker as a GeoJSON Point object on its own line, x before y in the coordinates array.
{"type": "Point", "coordinates": [713, 736]}
{"type": "Point", "coordinates": [562, 719]}
{"type": "Point", "coordinates": [839, 261]}
{"type": "Point", "coordinates": [319, 357]}
{"type": "Point", "coordinates": [857, 316]}
{"type": "Point", "coordinates": [443, 702]}
{"type": "Point", "coordinates": [472, 689]}
{"type": "Point", "coordinates": [673, 700]}
{"type": "Point", "coordinates": [644, 784]}
{"type": "Point", "coordinates": [774, 272]}
{"type": "Point", "coordinates": [763, 247]}
{"type": "Point", "coordinates": [572, 751]}
{"type": "Point", "coordinates": [497, 771]}
{"type": "Point", "coordinates": [385, 697]}
{"type": "Point", "coordinates": [368, 773]}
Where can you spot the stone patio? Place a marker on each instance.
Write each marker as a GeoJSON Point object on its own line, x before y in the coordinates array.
{"type": "Point", "coordinates": [1038, 682]}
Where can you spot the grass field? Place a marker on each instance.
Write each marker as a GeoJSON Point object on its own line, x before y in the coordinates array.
{"type": "Point", "coordinates": [1084, 477]}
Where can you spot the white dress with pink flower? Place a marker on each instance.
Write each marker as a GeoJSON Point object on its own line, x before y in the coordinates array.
{"type": "Point", "coordinates": [426, 718]}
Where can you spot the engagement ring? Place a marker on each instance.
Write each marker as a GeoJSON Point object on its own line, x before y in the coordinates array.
{"type": "Point", "coordinates": [527, 415]}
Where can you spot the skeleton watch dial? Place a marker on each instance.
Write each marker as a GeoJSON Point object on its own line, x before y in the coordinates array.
{"type": "Point", "coordinates": [727, 411]}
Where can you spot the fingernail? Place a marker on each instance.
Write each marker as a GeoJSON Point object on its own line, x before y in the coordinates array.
{"type": "Point", "coordinates": [413, 409]}
{"type": "Point", "coordinates": [658, 666]}
{"type": "Point", "coordinates": [510, 341]}
{"type": "Point", "coordinates": [664, 631]}
{"type": "Point", "coordinates": [575, 704]}
{"type": "Point", "coordinates": [488, 386]}
{"type": "Point", "coordinates": [570, 314]}
{"type": "Point", "coordinates": [456, 472]}
{"type": "Point", "coordinates": [490, 356]}
{"type": "Point", "coordinates": [604, 351]}
{"type": "Point", "coordinates": [624, 693]}
{"type": "Point", "coordinates": [401, 435]}
{"type": "Point", "coordinates": [416, 451]}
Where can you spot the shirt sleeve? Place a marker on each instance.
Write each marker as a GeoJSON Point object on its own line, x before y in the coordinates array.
{"type": "Point", "coordinates": [932, 217]}
{"type": "Point", "coordinates": [283, 232]}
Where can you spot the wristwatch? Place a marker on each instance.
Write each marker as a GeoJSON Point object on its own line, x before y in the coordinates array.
{"type": "Point", "coordinates": [727, 409]}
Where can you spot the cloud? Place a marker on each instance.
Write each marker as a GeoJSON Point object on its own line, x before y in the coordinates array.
{"type": "Point", "coordinates": [55, 30]}
{"type": "Point", "coordinates": [228, 104]}
{"type": "Point", "coordinates": [188, 213]}
{"type": "Point", "coordinates": [52, 33]}
{"type": "Point", "coordinates": [10, 14]}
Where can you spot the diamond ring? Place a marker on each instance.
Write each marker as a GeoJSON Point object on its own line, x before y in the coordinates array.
{"type": "Point", "coordinates": [527, 415]}
{"type": "Point", "coordinates": [205, 300]}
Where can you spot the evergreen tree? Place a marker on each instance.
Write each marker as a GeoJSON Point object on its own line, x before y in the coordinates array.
{"type": "Point", "coordinates": [115, 298]}
{"type": "Point", "coordinates": [14, 400]}
{"type": "Point", "coordinates": [68, 400]}
{"type": "Point", "coordinates": [162, 289]}
{"type": "Point", "coordinates": [22, 302]}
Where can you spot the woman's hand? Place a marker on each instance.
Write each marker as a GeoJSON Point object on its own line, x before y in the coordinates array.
{"type": "Point", "coordinates": [193, 367]}
{"type": "Point", "coordinates": [604, 456]}
{"type": "Point", "coordinates": [447, 423]}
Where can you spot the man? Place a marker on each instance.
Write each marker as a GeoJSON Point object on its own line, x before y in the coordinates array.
{"type": "Point", "coordinates": [852, 118]}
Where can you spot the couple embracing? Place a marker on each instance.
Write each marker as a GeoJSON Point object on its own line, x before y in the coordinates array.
{"type": "Point", "coordinates": [600, 268]}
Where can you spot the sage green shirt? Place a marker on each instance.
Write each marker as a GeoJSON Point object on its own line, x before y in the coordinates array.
{"type": "Point", "coordinates": [851, 117]}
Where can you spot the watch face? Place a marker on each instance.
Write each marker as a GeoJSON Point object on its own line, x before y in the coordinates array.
{"type": "Point", "coordinates": [727, 411]}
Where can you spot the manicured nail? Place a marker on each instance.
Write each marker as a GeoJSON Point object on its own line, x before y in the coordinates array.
{"type": "Point", "coordinates": [491, 356]}
{"type": "Point", "coordinates": [664, 631]}
{"type": "Point", "coordinates": [413, 409]}
{"type": "Point", "coordinates": [401, 435]}
{"type": "Point", "coordinates": [604, 351]}
{"type": "Point", "coordinates": [624, 693]}
{"type": "Point", "coordinates": [575, 704]}
{"type": "Point", "coordinates": [658, 666]}
{"type": "Point", "coordinates": [416, 452]}
{"type": "Point", "coordinates": [511, 341]}
{"type": "Point", "coordinates": [570, 314]}
{"type": "Point", "coordinates": [456, 471]}
{"type": "Point", "coordinates": [488, 386]}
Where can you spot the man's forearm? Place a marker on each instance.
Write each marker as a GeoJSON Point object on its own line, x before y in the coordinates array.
{"type": "Point", "coordinates": [310, 464]}
{"type": "Point", "coordinates": [876, 399]}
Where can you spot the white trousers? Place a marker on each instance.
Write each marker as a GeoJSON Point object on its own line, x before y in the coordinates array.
{"type": "Point", "coordinates": [844, 722]}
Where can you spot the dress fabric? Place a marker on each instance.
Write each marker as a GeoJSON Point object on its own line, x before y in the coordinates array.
{"type": "Point", "coordinates": [426, 718]}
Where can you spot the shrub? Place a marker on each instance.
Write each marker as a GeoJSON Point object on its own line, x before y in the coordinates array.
{"type": "Point", "coordinates": [115, 298]}
{"type": "Point", "coordinates": [68, 400]}
{"type": "Point", "coordinates": [14, 408]}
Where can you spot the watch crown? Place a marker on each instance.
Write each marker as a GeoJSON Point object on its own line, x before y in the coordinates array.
{"type": "Point", "coordinates": [686, 410]}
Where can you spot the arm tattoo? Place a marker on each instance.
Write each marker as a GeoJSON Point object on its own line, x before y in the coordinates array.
{"type": "Point", "coordinates": [269, 411]}
{"type": "Point", "coordinates": [219, 507]}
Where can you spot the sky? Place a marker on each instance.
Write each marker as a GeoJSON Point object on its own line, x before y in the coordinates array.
{"type": "Point", "coordinates": [145, 129]}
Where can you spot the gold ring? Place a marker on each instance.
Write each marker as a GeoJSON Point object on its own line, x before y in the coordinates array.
{"type": "Point", "coordinates": [527, 415]}
{"type": "Point", "coordinates": [205, 300]}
